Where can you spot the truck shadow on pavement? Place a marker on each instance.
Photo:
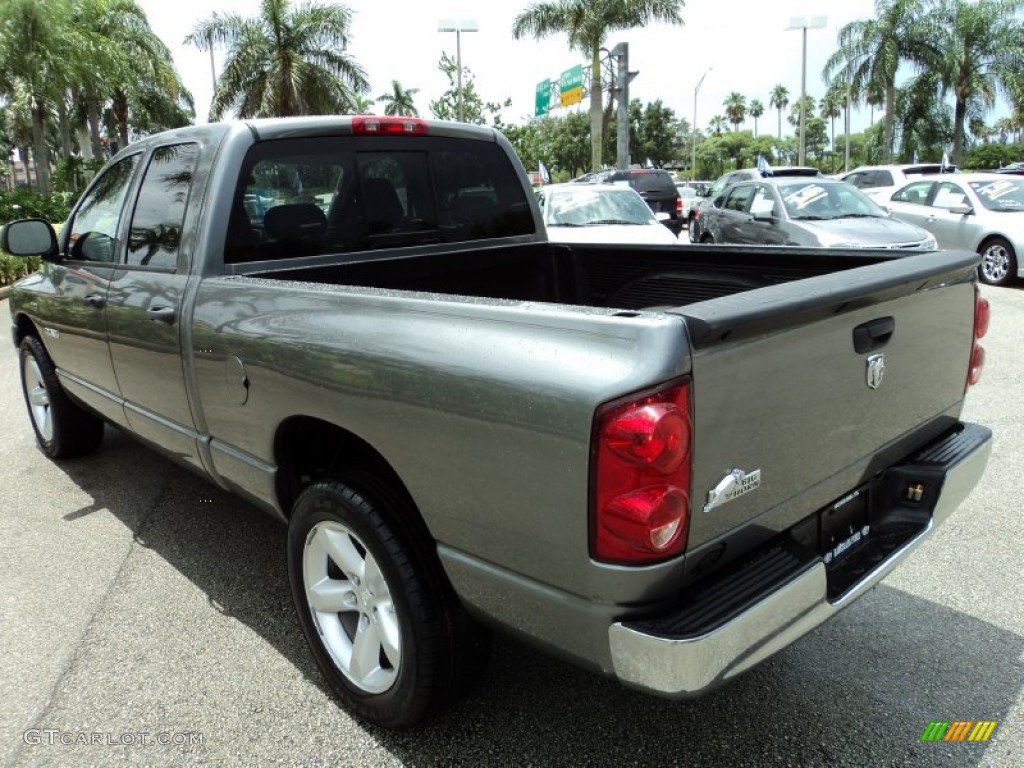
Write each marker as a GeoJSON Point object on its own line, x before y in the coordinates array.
{"type": "Point", "coordinates": [860, 690]}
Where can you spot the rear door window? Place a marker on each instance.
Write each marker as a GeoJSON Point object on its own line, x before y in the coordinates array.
{"type": "Point", "coordinates": [155, 231]}
{"type": "Point", "coordinates": [739, 198]}
{"type": "Point", "coordinates": [915, 194]}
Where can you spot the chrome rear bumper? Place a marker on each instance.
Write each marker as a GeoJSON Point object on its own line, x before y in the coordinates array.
{"type": "Point", "coordinates": [690, 666]}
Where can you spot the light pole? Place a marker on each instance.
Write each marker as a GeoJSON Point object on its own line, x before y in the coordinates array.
{"type": "Point", "coordinates": [804, 23]}
{"type": "Point", "coordinates": [458, 27]}
{"type": "Point", "coordinates": [693, 155]}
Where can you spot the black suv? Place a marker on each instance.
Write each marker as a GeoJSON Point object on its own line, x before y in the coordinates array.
{"type": "Point", "coordinates": [657, 189]}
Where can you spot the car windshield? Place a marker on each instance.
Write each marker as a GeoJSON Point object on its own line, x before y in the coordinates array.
{"type": "Point", "coordinates": [816, 200]}
{"type": "Point", "coordinates": [591, 205]}
{"type": "Point", "coordinates": [1000, 195]}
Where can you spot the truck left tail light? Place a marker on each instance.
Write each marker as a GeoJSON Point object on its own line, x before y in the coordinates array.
{"type": "Point", "coordinates": [982, 313]}
{"type": "Point", "coordinates": [640, 476]}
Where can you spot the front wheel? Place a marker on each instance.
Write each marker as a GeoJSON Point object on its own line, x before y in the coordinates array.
{"type": "Point", "coordinates": [691, 228]}
{"type": "Point", "coordinates": [381, 619]}
{"type": "Point", "coordinates": [63, 428]}
{"type": "Point", "coordinates": [998, 262]}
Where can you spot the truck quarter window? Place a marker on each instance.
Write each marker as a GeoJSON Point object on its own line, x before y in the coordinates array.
{"type": "Point", "coordinates": [92, 233]}
{"type": "Point", "coordinates": [155, 231]}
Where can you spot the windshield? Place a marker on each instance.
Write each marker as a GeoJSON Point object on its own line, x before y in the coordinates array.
{"type": "Point", "coordinates": [816, 200]}
{"type": "Point", "coordinates": [1000, 195]}
{"type": "Point", "coordinates": [589, 205]}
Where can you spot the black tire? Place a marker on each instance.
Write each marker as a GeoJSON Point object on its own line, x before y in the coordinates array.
{"type": "Point", "coordinates": [998, 262]}
{"type": "Point", "coordinates": [437, 652]}
{"type": "Point", "coordinates": [707, 239]}
{"type": "Point", "coordinates": [63, 428]}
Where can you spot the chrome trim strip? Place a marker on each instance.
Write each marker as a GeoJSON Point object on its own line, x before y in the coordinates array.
{"type": "Point", "coordinates": [62, 374]}
{"type": "Point", "coordinates": [242, 456]}
{"type": "Point", "coordinates": [686, 667]}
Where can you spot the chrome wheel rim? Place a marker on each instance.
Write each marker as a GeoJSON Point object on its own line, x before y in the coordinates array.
{"type": "Point", "coordinates": [38, 398]}
{"type": "Point", "coordinates": [351, 605]}
{"type": "Point", "coordinates": [995, 262]}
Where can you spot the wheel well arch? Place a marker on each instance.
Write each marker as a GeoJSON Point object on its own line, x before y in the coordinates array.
{"type": "Point", "coordinates": [23, 326]}
{"type": "Point", "coordinates": [307, 449]}
{"type": "Point", "coordinates": [994, 236]}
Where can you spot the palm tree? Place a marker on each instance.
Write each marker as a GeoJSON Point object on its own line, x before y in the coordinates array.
{"type": "Point", "coordinates": [981, 46]}
{"type": "Point", "coordinates": [779, 100]}
{"type": "Point", "coordinates": [718, 125]}
{"type": "Point", "coordinates": [872, 51]}
{"type": "Point", "coordinates": [362, 105]}
{"type": "Point", "coordinates": [755, 110]}
{"type": "Point", "coordinates": [587, 24]}
{"type": "Point", "coordinates": [399, 101]}
{"type": "Point", "coordinates": [284, 61]}
{"type": "Point", "coordinates": [136, 69]}
{"type": "Point", "coordinates": [735, 108]}
{"type": "Point", "coordinates": [831, 107]}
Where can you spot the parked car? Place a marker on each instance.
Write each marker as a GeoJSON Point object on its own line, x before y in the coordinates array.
{"type": "Point", "coordinates": [981, 212]}
{"type": "Point", "coordinates": [693, 223]}
{"type": "Point", "coordinates": [1014, 168]}
{"type": "Point", "coordinates": [600, 213]}
{"type": "Point", "coordinates": [822, 213]}
{"type": "Point", "coordinates": [657, 189]}
{"type": "Point", "coordinates": [879, 181]}
{"type": "Point", "coordinates": [689, 194]}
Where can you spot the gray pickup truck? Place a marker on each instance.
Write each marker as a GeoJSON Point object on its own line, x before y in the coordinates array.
{"type": "Point", "coordinates": [663, 464]}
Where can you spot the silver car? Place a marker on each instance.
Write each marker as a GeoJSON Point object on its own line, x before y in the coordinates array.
{"type": "Point", "coordinates": [815, 212]}
{"type": "Point", "coordinates": [981, 212]}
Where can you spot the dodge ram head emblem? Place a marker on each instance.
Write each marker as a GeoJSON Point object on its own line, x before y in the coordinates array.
{"type": "Point", "coordinates": [876, 370]}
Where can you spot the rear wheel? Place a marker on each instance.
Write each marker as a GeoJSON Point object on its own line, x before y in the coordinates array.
{"type": "Point", "coordinates": [691, 227]}
{"type": "Point", "coordinates": [707, 239]}
{"type": "Point", "coordinates": [998, 262]}
{"type": "Point", "coordinates": [63, 428]}
{"type": "Point", "coordinates": [384, 625]}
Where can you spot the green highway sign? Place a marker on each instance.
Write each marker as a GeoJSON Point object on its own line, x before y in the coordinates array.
{"type": "Point", "coordinates": [572, 86]}
{"type": "Point", "coordinates": [542, 105]}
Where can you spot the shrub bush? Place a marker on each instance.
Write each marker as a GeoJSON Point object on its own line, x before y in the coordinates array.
{"type": "Point", "coordinates": [24, 203]}
{"type": "Point", "coordinates": [15, 267]}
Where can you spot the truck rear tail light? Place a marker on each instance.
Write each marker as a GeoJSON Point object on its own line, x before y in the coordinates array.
{"type": "Point", "coordinates": [640, 476]}
{"type": "Point", "coordinates": [982, 314]}
{"type": "Point", "coordinates": [679, 205]}
{"type": "Point", "coordinates": [371, 124]}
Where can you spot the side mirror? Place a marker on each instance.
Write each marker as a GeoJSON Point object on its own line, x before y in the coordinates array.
{"type": "Point", "coordinates": [962, 210]}
{"type": "Point", "coordinates": [763, 216]}
{"type": "Point", "coordinates": [29, 237]}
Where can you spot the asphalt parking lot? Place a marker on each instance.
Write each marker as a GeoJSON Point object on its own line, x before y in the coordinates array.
{"type": "Point", "coordinates": [138, 599]}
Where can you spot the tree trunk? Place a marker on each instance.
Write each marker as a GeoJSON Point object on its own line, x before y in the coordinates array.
{"type": "Point", "coordinates": [23, 153]}
{"type": "Point", "coordinates": [121, 116]}
{"type": "Point", "coordinates": [959, 113]}
{"type": "Point", "coordinates": [780, 123]}
{"type": "Point", "coordinates": [890, 102]}
{"type": "Point", "coordinates": [64, 123]}
{"type": "Point", "coordinates": [40, 154]}
{"type": "Point", "coordinates": [92, 116]}
{"type": "Point", "coordinates": [596, 146]}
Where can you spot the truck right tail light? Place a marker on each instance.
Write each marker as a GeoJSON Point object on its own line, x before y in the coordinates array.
{"type": "Point", "coordinates": [982, 313]}
{"type": "Point", "coordinates": [640, 482]}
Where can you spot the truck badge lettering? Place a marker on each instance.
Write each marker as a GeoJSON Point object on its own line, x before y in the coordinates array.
{"type": "Point", "coordinates": [876, 370]}
{"type": "Point", "coordinates": [732, 486]}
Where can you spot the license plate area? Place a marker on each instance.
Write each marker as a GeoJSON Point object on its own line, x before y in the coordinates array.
{"type": "Point", "coordinates": [843, 526]}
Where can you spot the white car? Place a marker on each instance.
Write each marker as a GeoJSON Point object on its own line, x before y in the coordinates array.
{"type": "Point", "coordinates": [600, 213]}
{"type": "Point", "coordinates": [879, 181]}
{"type": "Point", "coordinates": [980, 212]}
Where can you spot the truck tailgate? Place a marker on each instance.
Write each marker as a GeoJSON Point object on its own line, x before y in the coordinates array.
{"type": "Point", "coordinates": [787, 384]}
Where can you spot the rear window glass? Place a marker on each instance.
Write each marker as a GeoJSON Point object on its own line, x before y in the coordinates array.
{"type": "Point", "coordinates": [307, 197]}
{"type": "Point", "coordinates": [650, 182]}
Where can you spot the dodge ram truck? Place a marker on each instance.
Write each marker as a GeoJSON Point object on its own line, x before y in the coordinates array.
{"type": "Point", "coordinates": [664, 464]}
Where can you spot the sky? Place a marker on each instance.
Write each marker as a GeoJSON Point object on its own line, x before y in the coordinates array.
{"type": "Point", "coordinates": [744, 43]}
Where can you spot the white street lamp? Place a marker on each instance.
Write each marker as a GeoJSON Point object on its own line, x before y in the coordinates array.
{"type": "Point", "coordinates": [693, 157]}
{"type": "Point", "coordinates": [458, 27]}
{"type": "Point", "coordinates": [804, 23]}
